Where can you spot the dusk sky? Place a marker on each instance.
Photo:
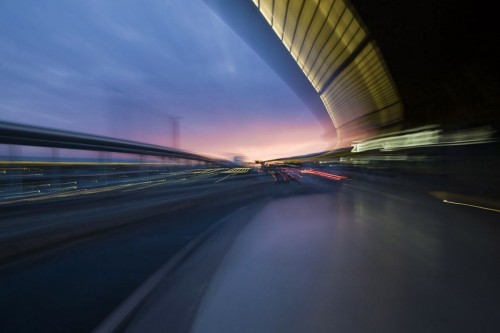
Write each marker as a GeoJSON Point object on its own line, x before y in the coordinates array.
{"type": "Point", "coordinates": [120, 68]}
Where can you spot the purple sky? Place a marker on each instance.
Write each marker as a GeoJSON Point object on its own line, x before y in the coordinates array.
{"type": "Point", "coordinates": [120, 68]}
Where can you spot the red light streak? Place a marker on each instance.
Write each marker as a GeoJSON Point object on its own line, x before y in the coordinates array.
{"type": "Point", "coordinates": [324, 174]}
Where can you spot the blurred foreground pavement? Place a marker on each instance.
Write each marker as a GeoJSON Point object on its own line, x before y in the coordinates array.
{"type": "Point", "coordinates": [247, 254]}
{"type": "Point", "coordinates": [357, 259]}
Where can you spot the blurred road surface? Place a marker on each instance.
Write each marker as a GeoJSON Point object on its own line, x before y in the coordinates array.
{"type": "Point", "coordinates": [306, 253]}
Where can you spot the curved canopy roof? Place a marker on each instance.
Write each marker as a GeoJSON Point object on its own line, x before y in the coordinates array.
{"type": "Point", "coordinates": [334, 51]}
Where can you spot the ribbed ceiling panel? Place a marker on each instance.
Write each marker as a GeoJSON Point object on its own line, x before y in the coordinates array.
{"type": "Point", "coordinates": [333, 48]}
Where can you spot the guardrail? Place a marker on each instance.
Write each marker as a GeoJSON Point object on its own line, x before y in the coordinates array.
{"type": "Point", "coordinates": [28, 135]}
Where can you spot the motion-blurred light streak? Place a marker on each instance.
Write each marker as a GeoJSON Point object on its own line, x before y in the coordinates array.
{"type": "Point", "coordinates": [470, 205]}
{"type": "Point", "coordinates": [425, 137]}
{"type": "Point", "coordinates": [324, 174]}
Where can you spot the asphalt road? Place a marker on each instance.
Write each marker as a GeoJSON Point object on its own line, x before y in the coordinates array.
{"type": "Point", "coordinates": [400, 259]}
{"type": "Point", "coordinates": [71, 287]}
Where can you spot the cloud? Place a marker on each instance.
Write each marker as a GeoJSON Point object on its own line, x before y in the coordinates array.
{"type": "Point", "coordinates": [121, 68]}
